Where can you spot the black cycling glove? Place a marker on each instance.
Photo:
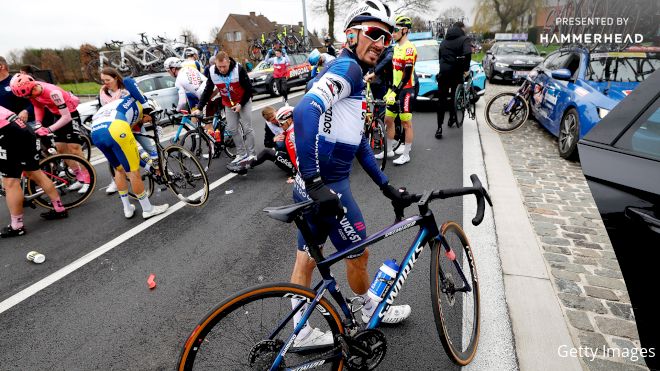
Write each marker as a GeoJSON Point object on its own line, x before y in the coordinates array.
{"type": "Point", "coordinates": [327, 200]}
{"type": "Point", "coordinates": [398, 196]}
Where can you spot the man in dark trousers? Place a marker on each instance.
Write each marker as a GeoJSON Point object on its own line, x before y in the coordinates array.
{"type": "Point", "coordinates": [454, 54]}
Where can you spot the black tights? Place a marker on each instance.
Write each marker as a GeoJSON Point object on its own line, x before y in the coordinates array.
{"type": "Point", "coordinates": [447, 92]}
{"type": "Point", "coordinates": [279, 158]}
{"type": "Point", "coordinates": [282, 87]}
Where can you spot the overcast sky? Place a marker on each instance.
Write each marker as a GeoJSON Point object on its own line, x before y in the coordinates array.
{"type": "Point", "coordinates": [56, 24]}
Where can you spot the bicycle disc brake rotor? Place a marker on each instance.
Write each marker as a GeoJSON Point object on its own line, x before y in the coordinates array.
{"type": "Point", "coordinates": [367, 350]}
{"type": "Point", "coordinates": [449, 289]}
{"type": "Point", "coordinates": [263, 354]}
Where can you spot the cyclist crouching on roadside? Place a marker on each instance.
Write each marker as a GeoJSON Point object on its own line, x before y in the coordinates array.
{"type": "Point", "coordinates": [284, 153]}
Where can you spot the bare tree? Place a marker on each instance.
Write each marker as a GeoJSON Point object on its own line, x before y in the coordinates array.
{"type": "Point", "coordinates": [330, 8]}
{"type": "Point", "coordinates": [14, 57]}
{"type": "Point", "coordinates": [411, 6]}
{"type": "Point", "coordinates": [506, 11]}
{"type": "Point", "coordinates": [452, 13]}
{"type": "Point", "coordinates": [213, 35]}
{"type": "Point", "coordinates": [190, 36]}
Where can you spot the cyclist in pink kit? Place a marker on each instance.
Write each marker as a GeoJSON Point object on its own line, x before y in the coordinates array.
{"type": "Point", "coordinates": [66, 127]}
{"type": "Point", "coordinates": [18, 154]}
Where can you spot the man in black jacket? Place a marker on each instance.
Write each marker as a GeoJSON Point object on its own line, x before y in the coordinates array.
{"type": "Point", "coordinates": [454, 54]}
{"type": "Point", "coordinates": [233, 83]}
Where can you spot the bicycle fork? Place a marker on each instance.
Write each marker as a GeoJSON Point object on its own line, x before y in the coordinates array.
{"type": "Point", "coordinates": [451, 255]}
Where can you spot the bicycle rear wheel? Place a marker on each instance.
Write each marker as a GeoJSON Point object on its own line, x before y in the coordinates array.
{"type": "Point", "coordinates": [59, 169]}
{"type": "Point", "coordinates": [506, 112]}
{"type": "Point", "coordinates": [379, 141]}
{"type": "Point", "coordinates": [460, 105]}
{"type": "Point", "coordinates": [185, 176]}
{"type": "Point", "coordinates": [199, 145]}
{"type": "Point", "coordinates": [239, 333]}
{"type": "Point", "coordinates": [86, 146]}
{"type": "Point", "coordinates": [455, 309]}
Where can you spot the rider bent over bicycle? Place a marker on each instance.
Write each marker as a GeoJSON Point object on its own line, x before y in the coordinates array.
{"type": "Point", "coordinates": [328, 128]}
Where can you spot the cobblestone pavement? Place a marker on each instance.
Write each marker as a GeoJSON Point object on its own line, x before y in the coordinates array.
{"type": "Point", "coordinates": [577, 251]}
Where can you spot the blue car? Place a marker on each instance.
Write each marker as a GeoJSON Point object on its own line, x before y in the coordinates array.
{"type": "Point", "coordinates": [576, 88]}
{"type": "Point", "coordinates": [428, 66]}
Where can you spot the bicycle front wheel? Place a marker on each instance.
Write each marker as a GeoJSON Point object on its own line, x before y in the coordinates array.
{"type": "Point", "coordinates": [86, 146]}
{"type": "Point", "coordinates": [199, 145]}
{"type": "Point", "coordinates": [506, 112]}
{"type": "Point", "coordinates": [455, 294]}
{"type": "Point", "coordinates": [240, 333]}
{"type": "Point", "coordinates": [64, 170]}
{"type": "Point", "coordinates": [460, 105]}
{"type": "Point", "coordinates": [379, 141]}
{"type": "Point", "coordinates": [185, 176]}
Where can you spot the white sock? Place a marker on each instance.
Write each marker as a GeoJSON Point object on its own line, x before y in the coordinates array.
{"type": "Point", "coordinates": [123, 196]}
{"type": "Point", "coordinates": [144, 202]}
{"type": "Point", "coordinates": [406, 150]}
{"type": "Point", "coordinates": [296, 318]}
{"type": "Point", "coordinates": [390, 145]}
{"type": "Point", "coordinates": [369, 305]}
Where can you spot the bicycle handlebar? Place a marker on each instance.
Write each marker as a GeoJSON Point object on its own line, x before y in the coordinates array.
{"type": "Point", "coordinates": [423, 199]}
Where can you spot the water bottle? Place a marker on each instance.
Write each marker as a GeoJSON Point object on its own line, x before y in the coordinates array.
{"type": "Point", "coordinates": [217, 136]}
{"type": "Point", "coordinates": [383, 280]}
{"type": "Point", "coordinates": [147, 160]}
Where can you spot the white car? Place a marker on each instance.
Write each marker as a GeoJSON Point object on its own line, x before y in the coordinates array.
{"type": "Point", "coordinates": [157, 86]}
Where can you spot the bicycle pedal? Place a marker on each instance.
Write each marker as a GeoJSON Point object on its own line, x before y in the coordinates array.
{"type": "Point", "coordinates": [356, 303]}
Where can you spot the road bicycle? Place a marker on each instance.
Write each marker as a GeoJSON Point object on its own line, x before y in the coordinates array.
{"type": "Point", "coordinates": [374, 128]}
{"type": "Point", "coordinates": [176, 168]}
{"type": "Point", "coordinates": [465, 100]}
{"type": "Point", "coordinates": [508, 111]}
{"type": "Point", "coordinates": [59, 169]}
{"type": "Point", "coordinates": [133, 60]}
{"type": "Point", "coordinates": [204, 146]}
{"type": "Point", "coordinates": [252, 329]}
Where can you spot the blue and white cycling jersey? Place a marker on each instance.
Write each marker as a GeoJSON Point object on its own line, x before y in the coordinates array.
{"type": "Point", "coordinates": [329, 125]}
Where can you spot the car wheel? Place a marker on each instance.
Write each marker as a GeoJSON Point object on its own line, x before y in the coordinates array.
{"type": "Point", "coordinates": [569, 131]}
{"type": "Point", "coordinates": [273, 88]}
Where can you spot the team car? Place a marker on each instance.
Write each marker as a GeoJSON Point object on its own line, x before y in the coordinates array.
{"type": "Point", "coordinates": [575, 88]}
{"type": "Point", "coordinates": [298, 73]}
{"type": "Point", "coordinates": [510, 60]}
{"type": "Point", "coordinates": [428, 66]}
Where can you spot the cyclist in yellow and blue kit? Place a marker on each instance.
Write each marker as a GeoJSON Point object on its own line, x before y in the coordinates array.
{"type": "Point", "coordinates": [111, 133]}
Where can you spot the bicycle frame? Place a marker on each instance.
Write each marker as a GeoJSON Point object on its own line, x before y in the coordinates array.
{"type": "Point", "coordinates": [427, 233]}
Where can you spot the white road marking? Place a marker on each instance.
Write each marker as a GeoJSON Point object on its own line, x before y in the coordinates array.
{"type": "Point", "coordinates": [80, 262]}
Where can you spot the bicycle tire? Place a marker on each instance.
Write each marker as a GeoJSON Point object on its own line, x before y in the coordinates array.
{"type": "Point", "coordinates": [57, 169]}
{"type": "Point", "coordinates": [442, 303]}
{"type": "Point", "coordinates": [399, 134]}
{"type": "Point", "coordinates": [197, 341]}
{"type": "Point", "coordinates": [459, 105]}
{"type": "Point", "coordinates": [147, 180]}
{"type": "Point", "coordinates": [199, 145]}
{"type": "Point", "coordinates": [181, 168]}
{"type": "Point", "coordinates": [380, 132]}
{"type": "Point", "coordinates": [524, 108]}
{"type": "Point", "coordinates": [86, 146]}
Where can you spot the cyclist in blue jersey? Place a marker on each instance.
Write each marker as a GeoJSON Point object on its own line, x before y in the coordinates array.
{"type": "Point", "coordinates": [112, 134]}
{"type": "Point", "coordinates": [328, 127]}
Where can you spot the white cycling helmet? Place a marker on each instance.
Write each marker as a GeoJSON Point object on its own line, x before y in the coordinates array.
{"type": "Point", "coordinates": [190, 52]}
{"type": "Point", "coordinates": [284, 113]}
{"type": "Point", "coordinates": [370, 10]}
{"type": "Point", "coordinates": [172, 62]}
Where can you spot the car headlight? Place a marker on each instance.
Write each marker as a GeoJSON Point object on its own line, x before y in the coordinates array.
{"type": "Point", "coordinates": [500, 64]}
{"type": "Point", "coordinates": [602, 112]}
{"type": "Point", "coordinates": [261, 78]}
{"type": "Point", "coordinates": [422, 75]}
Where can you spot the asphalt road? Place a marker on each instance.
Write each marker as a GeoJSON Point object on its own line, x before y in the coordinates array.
{"type": "Point", "coordinates": [103, 316]}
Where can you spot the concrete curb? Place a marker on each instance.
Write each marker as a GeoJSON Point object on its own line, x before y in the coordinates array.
{"type": "Point", "coordinates": [538, 323]}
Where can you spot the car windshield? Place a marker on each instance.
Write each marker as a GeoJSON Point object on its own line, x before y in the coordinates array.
{"type": "Point", "coordinates": [427, 52]}
{"type": "Point", "coordinates": [262, 66]}
{"type": "Point", "coordinates": [622, 67]}
{"type": "Point", "coordinates": [517, 48]}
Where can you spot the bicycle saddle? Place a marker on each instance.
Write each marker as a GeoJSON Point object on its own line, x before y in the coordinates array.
{"type": "Point", "coordinates": [289, 212]}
